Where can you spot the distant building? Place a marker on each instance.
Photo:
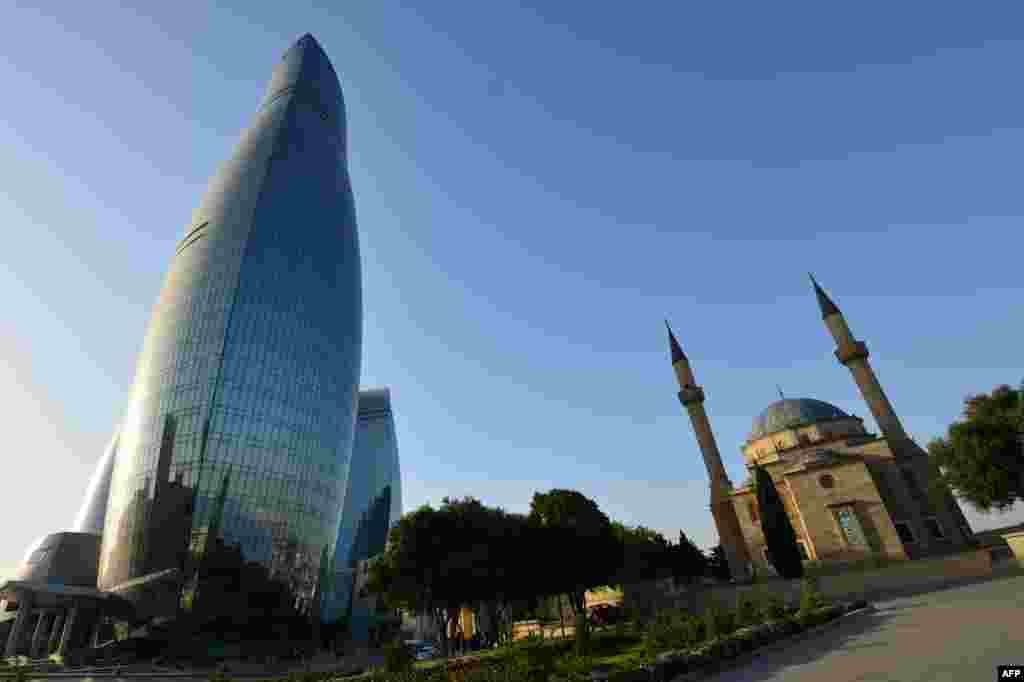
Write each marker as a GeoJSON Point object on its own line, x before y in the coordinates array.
{"type": "Point", "coordinates": [373, 504]}
{"type": "Point", "coordinates": [93, 513]}
{"type": "Point", "coordinates": [849, 494]}
{"type": "Point", "coordinates": [373, 623]}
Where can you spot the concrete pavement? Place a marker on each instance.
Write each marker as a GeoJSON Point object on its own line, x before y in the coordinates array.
{"type": "Point", "coordinates": [956, 635]}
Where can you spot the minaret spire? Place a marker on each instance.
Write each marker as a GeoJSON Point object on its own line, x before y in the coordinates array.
{"type": "Point", "coordinates": [692, 397]}
{"type": "Point", "coordinates": [677, 352]}
{"type": "Point", "coordinates": [824, 302]}
{"type": "Point", "coordinates": [854, 355]}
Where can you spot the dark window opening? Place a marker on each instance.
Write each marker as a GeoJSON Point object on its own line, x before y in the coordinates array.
{"type": "Point", "coordinates": [912, 485]}
{"type": "Point", "coordinates": [905, 533]}
{"type": "Point", "coordinates": [935, 529]}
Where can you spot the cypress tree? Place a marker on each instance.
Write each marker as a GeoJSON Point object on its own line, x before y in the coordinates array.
{"type": "Point", "coordinates": [779, 535]}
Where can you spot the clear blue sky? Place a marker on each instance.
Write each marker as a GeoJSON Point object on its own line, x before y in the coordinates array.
{"type": "Point", "coordinates": [537, 187]}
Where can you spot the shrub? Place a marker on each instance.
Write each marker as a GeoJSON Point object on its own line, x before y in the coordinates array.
{"type": "Point", "coordinates": [398, 657]}
{"type": "Point", "coordinates": [749, 613]}
{"type": "Point", "coordinates": [696, 630]}
{"type": "Point", "coordinates": [651, 642]}
{"type": "Point", "coordinates": [773, 608]}
{"type": "Point", "coordinates": [701, 656]}
{"type": "Point", "coordinates": [582, 635]}
{"type": "Point", "coordinates": [806, 619]}
{"type": "Point", "coordinates": [713, 649]}
{"type": "Point", "coordinates": [730, 648]}
{"type": "Point", "coordinates": [710, 623]}
{"type": "Point", "coordinates": [747, 638]}
{"type": "Point", "coordinates": [728, 621]}
{"type": "Point", "coordinates": [789, 625]}
{"type": "Point", "coordinates": [810, 596]}
{"type": "Point", "coordinates": [668, 630]}
{"type": "Point", "coordinates": [535, 660]}
{"type": "Point", "coordinates": [771, 632]}
{"type": "Point", "coordinates": [575, 667]}
{"type": "Point", "coordinates": [719, 621]}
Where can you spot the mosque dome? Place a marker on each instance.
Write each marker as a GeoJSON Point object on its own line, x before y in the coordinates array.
{"type": "Point", "coordinates": [791, 413]}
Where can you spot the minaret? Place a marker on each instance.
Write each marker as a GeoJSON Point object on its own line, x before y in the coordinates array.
{"type": "Point", "coordinates": [692, 397]}
{"type": "Point", "coordinates": [854, 354]}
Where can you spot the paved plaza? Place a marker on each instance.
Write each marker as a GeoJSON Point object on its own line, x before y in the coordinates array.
{"type": "Point", "coordinates": [957, 635]}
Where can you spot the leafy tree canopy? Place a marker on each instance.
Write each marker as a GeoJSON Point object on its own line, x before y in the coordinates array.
{"type": "Point", "coordinates": [687, 561]}
{"type": "Point", "coordinates": [718, 563]}
{"type": "Point", "coordinates": [644, 554]}
{"type": "Point", "coordinates": [982, 456]}
{"type": "Point", "coordinates": [578, 539]}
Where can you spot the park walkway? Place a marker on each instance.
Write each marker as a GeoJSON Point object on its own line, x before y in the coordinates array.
{"type": "Point", "coordinates": [958, 634]}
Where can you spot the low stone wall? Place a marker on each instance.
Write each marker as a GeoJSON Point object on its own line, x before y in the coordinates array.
{"type": "Point", "coordinates": [906, 575]}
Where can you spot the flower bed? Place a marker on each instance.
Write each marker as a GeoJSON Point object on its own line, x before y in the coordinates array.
{"type": "Point", "coordinates": [671, 664]}
{"type": "Point", "coordinates": [689, 651]}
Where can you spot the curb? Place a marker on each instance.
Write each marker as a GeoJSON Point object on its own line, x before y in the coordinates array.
{"type": "Point", "coordinates": [749, 656]}
{"type": "Point", "coordinates": [183, 675]}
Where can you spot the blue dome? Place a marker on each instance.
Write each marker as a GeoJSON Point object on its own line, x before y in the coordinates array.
{"type": "Point", "coordinates": [793, 412]}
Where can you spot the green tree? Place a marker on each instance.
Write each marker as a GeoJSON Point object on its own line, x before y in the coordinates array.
{"type": "Point", "coordinates": [718, 564]}
{"type": "Point", "coordinates": [579, 541]}
{"type": "Point", "coordinates": [644, 554]}
{"type": "Point", "coordinates": [515, 577]}
{"type": "Point", "coordinates": [687, 561]}
{"type": "Point", "coordinates": [982, 456]}
{"type": "Point", "coordinates": [410, 574]}
{"type": "Point", "coordinates": [779, 535]}
{"type": "Point", "coordinates": [462, 554]}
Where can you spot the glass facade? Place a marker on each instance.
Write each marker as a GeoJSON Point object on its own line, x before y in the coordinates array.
{"type": "Point", "coordinates": [232, 456]}
{"type": "Point", "coordinates": [373, 504]}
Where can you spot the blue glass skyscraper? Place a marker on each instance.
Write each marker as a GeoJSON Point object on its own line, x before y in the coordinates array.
{"type": "Point", "coordinates": [373, 504]}
{"type": "Point", "coordinates": [235, 442]}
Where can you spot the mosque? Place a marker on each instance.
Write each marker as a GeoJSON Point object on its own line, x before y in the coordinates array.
{"type": "Point", "coordinates": [849, 494]}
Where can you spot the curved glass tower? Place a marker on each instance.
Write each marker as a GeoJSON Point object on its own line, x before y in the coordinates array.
{"type": "Point", "coordinates": [231, 459]}
{"type": "Point", "coordinates": [373, 504]}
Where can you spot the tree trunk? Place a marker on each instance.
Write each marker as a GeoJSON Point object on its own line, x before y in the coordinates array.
{"type": "Point", "coordinates": [494, 610]}
{"type": "Point", "coordinates": [507, 624]}
{"type": "Point", "coordinates": [561, 615]}
{"type": "Point", "coordinates": [441, 619]}
{"type": "Point", "coordinates": [579, 600]}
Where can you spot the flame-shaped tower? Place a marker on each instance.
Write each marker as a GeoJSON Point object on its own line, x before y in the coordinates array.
{"type": "Point", "coordinates": [249, 370]}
